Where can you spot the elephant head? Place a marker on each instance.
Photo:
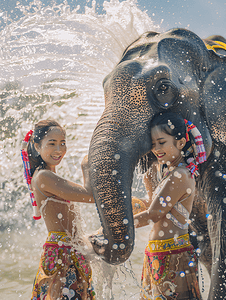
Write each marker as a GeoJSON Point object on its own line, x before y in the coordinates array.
{"type": "Point", "coordinates": [171, 71]}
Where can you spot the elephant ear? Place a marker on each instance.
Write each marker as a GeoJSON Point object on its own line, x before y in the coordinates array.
{"type": "Point", "coordinates": [214, 100]}
{"type": "Point", "coordinates": [187, 57]}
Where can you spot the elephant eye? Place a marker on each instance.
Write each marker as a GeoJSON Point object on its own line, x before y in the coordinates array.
{"type": "Point", "coordinates": [165, 92]}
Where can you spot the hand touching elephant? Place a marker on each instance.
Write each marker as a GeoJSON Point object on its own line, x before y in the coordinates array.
{"type": "Point", "coordinates": [178, 72]}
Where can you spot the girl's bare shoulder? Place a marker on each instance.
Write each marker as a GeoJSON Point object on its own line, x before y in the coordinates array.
{"type": "Point", "coordinates": [183, 174]}
{"type": "Point", "coordinates": [43, 175]}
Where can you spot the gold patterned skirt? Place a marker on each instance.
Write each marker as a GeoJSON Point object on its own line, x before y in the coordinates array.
{"type": "Point", "coordinates": [170, 270]}
{"type": "Point", "coordinates": [64, 273]}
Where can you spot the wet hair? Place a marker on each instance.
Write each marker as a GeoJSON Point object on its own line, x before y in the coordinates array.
{"type": "Point", "coordinates": [170, 123]}
{"type": "Point", "coordinates": [174, 125]}
{"type": "Point", "coordinates": [40, 131]}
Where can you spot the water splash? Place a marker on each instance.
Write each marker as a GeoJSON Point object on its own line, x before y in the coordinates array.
{"type": "Point", "coordinates": [53, 61]}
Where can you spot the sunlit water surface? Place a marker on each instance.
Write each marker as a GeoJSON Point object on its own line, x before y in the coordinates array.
{"type": "Point", "coordinates": [53, 62]}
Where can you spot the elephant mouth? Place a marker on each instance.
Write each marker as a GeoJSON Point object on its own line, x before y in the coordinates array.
{"type": "Point", "coordinates": [165, 93]}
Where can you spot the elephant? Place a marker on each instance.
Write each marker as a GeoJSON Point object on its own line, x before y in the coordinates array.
{"type": "Point", "coordinates": [173, 71]}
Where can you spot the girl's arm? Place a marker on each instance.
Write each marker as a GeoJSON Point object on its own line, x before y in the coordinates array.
{"type": "Point", "coordinates": [178, 184]}
{"type": "Point", "coordinates": [53, 185]}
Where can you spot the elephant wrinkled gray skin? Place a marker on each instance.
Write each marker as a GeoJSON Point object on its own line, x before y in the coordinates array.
{"type": "Point", "coordinates": [171, 71]}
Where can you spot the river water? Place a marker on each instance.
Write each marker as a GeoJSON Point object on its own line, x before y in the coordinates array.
{"type": "Point", "coordinates": [53, 61]}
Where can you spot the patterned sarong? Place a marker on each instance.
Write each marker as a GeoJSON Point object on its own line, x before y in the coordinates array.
{"type": "Point", "coordinates": [170, 270]}
{"type": "Point", "coordinates": [64, 273]}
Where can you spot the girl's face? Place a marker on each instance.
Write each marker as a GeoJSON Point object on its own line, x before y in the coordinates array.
{"type": "Point", "coordinates": [164, 146]}
{"type": "Point", "coordinates": [52, 147]}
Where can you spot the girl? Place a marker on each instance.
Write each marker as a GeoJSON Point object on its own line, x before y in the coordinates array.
{"type": "Point", "coordinates": [63, 272]}
{"type": "Point", "coordinates": [169, 268]}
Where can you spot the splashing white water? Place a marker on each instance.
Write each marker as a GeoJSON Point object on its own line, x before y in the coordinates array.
{"type": "Point", "coordinates": [53, 61]}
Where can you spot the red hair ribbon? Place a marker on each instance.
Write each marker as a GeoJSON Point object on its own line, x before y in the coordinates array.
{"type": "Point", "coordinates": [27, 174]}
{"type": "Point", "coordinates": [200, 148]}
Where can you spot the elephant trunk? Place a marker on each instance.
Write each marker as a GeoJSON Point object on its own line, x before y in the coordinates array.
{"type": "Point", "coordinates": [114, 152]}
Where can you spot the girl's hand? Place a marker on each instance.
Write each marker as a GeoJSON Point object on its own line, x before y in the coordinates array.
{"type": "Point", "coordinates": [178, 185]}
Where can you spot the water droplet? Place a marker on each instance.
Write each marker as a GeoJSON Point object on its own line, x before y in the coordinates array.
{"type": "Point", "coordinates": [105, 241]}
{"type": "Point", "coordinates": [122, 246]}
{"type": "Point", "coordinates": [209, 216]}
{"type": "Point", "coordinates": [114, 172]}
{"type": "Point", "coordinates": [161, 199]}
{"type": "Point", "coordinates": [136, 222]}
{"type": "Point", "coordinates": [164, 204]}
{"type": "Point", "coordinates": [117, 156]}
{"type": "Point", "coordinates": [63, 279]}
{"type": "Point", "coordinates": [165, 224]}
{"type": "Point", "coordinates": [187, 78]}
{"type": "Point", "coordinates": [182, 274]}
{"type": "Point", "coordinates": [161, 233]}
{"type": "Point", "coordinates": [65, 291]}
{"type": "Point", "coordinates": [59, 216]}
{"type": "Point", "coordinates": [150, 222]}
{"type": "Point", "coordinates": [125, 221]}
{"type": "Point", "coordinates": [188, 191]}
{"type": "Point", "coordinates": [126, 237]}
{"type": "Point", "coordinates": [175, 173]}
{"type": "Point", "coordinates": [115, 246]}
{"type": "Point", "coordinates": [218, 174]}
{"type": "Point", "coordinates": [191, 263]}
{"type": "Point", "coordinates": [217, 153]}
{"type": "Point", "coordinates": [168, 216]}
{"type": "Point", "coordinates": [170, 231]}
{"type": "Point", "coordinates": [168, 198]}
{"type": "Point", "coordinates": [166, 104]}
{"type": "Point", "coordinates": [102, 206]}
